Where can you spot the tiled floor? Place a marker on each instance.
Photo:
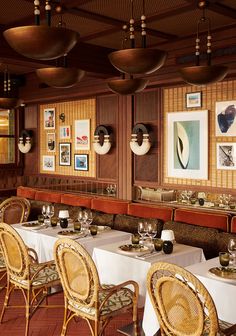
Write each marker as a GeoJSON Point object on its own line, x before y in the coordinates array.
{"type": "Point", "coordinates": [48, 322]}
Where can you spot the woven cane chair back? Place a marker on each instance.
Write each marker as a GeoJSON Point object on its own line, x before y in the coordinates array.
{"type": "Point", "coordinates": [15, 253]}
{"type": "Point", "coordinates": [14, 210]}
{"type": "Point", "coordinates": [77, 272]}
{"type": "Point", "coordinates": [183, 305]}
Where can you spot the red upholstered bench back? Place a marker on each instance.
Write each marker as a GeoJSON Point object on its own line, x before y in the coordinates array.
{"type": "Point", "coordinates": [76, 200]}
{"type": "Point", "coordinates": [48, 196]}
{"type": "Point", "coordinates": [149, 211]}
{"type": "Point", "coordinates": [26, 192]}
{"type": "Point", "coordinates": [201, 218]}
{"type": "Point", "coordinates": [110, 206]}
{"type": "Point", "coordinates": [233, 225]}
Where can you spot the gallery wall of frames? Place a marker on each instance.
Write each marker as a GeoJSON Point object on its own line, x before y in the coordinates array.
{"type": "Point", "coordinates": [200, 135]}
{"type": "Point", "coordinates": [66, 130]}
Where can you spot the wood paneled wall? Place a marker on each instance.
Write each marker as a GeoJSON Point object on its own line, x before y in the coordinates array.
{"type": "Point", "coordinates": [175, 101]}
{"type": "Point", "coordinates": [73, 110]}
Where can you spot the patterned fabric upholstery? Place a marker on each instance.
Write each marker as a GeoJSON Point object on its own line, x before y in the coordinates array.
{"type": "Point", "coordinates": [130, 224]}
{"type": "Point", "coordinates": [46, 275]}
{"type": "Point", "coordinates": [118, 300]}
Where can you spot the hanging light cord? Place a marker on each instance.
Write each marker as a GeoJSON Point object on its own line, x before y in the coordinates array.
{"type": "Point", "coordinates": [48, 12]}
{"type": "Point", "coordinates": [143, 27]}
{"type": "Point", "coordinates": [131, 27]}
{"type": "Point", "coordinates": [37, 12]}
{"type": "Point", "coordinates": [6, 82]}
{"type": "Point", "coordinates": [203, 19]}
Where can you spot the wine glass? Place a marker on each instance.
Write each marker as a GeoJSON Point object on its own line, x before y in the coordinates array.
{"type": "Point", "coordinates": [44, 211]}
{"type": "Point", "coordinates": [232, 250]}
{"type": "Point", "coordinates": [152, 231]}
{"type": "Point", "coordinates": [142, 230]}
{"type": "Point", "coordinates": [188, 195]}
{"type": "Point", "coordinates": [50, 212]}
{"type": "Point", "coordinates": [89, 218]}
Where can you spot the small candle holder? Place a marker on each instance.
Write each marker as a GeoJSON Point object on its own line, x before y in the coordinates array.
{"type": "Point", "coordinates": [64, 215]}
{"type": "Point", "coordinates": [135, 238]}
{"type": "Point", "coordinates": [93, 230]}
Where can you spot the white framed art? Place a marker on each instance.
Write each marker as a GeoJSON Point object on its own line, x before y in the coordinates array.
{"type": "Point", "coordinates": [187, 144]}
{"type": "Point", "coordinates": [49, 162]}
{"type": "Point", "coordinates": [226, 155]}
{"type": "Point", "coordinates": [82, 134]}
{"type": "Point", "coordinates": [226, 118]}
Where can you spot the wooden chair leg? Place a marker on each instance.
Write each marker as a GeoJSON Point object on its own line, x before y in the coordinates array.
{"type": "Point", "coordinates": [6, 300]}
{"type": "Point", "coordinates": [27, 312]}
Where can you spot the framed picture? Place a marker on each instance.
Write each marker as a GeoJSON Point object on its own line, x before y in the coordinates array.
{"type": "Point", "coordinates": [49, 162]}
{"type": "Point", "coordinates": [49, 118]}
{"type": "Point", "coordinates": [64, 154]}
{"type": "Point", "coordinates": [82, 134]}
{"type": "Point", "coordinates": [225, 118]}
{"type": "Point", "coordinates": [81, 162]}
{"type": "Point", "coordinates": [65, 132]}
{"type": "Point", "coordinates": [226, 155]}
{"type": "Point", "coordinates": [51, 142]}
{"type": "Point", "coordinates": [188, 144]}
{"type": "Point", "coordinates": [193, 99]}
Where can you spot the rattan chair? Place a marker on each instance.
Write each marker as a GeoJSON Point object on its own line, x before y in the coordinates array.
{"type": "Point", "coordinates": [84, 296]}
{"type": "Point", "coordinates": [14, 210]}
{"type": "Point", "coordinates": [182, 304]}
{"type": "Point", "coordinates": [3, 270]}
{"type": "Point", "coordinates": [25, 273]}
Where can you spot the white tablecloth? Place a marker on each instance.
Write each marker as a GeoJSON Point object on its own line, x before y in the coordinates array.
{"type": "Point", "coordinates": [115, 266]}
{"type": "Point", "coordinates": [43, 240]}
{"type": "Point", "coordinates": [222, 291]}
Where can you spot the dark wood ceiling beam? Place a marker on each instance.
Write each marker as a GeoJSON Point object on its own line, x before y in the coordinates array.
{"type": "Point", "coordinates": [217, 7]}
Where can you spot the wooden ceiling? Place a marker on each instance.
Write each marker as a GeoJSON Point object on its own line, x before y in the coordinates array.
{"type": "Point", "coordinates": [99, 23]}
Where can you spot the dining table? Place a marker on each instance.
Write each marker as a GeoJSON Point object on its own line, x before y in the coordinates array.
{"type": "Point", "coordinates": [115, 265]}
{"type": "Point", "coordinates": [221, 288]}
{"type": "Point", "coordinates": [42, 239]}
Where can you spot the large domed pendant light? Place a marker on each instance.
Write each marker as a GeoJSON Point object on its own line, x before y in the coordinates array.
{"type": "Point", "coordinates": [138, 60]}
{"type": "Point", "coordinates": [7, 102]}
{"type": "Point", "coordinates": [203, 74]}
{"type": "Point", "coordinates": [41, 42]}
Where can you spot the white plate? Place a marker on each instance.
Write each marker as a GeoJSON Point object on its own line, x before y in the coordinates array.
{"type": "Point", "coordinates": [217, 273]}
{"type": "Point", "coordinates": [133, 248]}
{"type": "Point", "coordinates": [33, 225]}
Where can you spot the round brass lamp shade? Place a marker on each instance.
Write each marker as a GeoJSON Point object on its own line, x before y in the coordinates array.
{"type": "Point", "coordinates": [203, 74]}
{"type": "Point", "coordinates": [138, 60]}
{"type": "Point", "coordinates": [41, 42]}
{"type": "Point", "coordinates": [8, 103]}
{"type": "Point", "coordinates": [59, 77]}
{"type": "Point", "coordinates": [127, 86]}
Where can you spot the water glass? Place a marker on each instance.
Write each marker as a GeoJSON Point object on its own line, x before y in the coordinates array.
{"type": "Point", "coordinates": [93, 230]}
{"type": "Point", "coordinates": [142, 230]}
{"type": "Point", "coordinates": [224, 258]}
{"type": "Point", "coordinates": [44, 211]}
{"type": "Point", "coordinates": [50, 211]}
{"type": "Point", "coordinates": [135, 238]}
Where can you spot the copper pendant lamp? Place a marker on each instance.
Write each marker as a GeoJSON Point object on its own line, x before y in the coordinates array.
{"type": "Point", "coordinates": [138, 60]}
{"type": "Point", "coordinates": [7, 102]}
{"type": "Point", "coordinates": [203, 74]}
{"type": "Point", "coordinates": [127, 86]}
{"type": "Point", "coordinates": [60, 76]}
{"type": "Point", "coordinates": [41, 42]}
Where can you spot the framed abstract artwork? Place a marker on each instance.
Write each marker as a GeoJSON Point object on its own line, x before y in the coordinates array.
{"type": "Point", "coordinates": [193, 99]}
{"type": "Point", "coordinates": [226, 155]}
{"type": "Point", "coordinates": [187, 144]}
{"type": "Point", "coordinates": [81, 162]}
{"type": "Point", "coordinates": [226, 118]}
{"type": "Point", "coordinates": [65, 154]}
{"type": "Point", "coordinates": [82, 134]}
{"type": "Point", "coordinates": [49, 162]}
{"type": "Point", "coordinates": [49, 118]}
{"type": "Point", "coordinates": [65, 132]}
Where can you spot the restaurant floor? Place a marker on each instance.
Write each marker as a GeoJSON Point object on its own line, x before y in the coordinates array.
{"type": "Point", "coordinates": [48, 322]}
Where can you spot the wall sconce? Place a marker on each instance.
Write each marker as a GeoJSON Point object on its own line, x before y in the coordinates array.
{"type": "Point", "coordinates": [146, 144]}
{"type": "Point", "coordinates": [25, 141]}
{"type": "Point", "coordinates": [99, 148]}
{"type": "Point", "coordinates": [62, 117]}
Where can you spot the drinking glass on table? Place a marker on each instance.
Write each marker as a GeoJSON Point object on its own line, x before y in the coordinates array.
{"type": "Point", "coordinates": [142, 230]}
{"type": "Point", "coordinates": [224, 258]}
{"type": "Point", "coordinates": [232, 250]}
{"type": "Point", "coordinates": [44, 211]}
{"type": "Point", "coordinates": [50, 212]}
{"type": "Point", "coordinates": [152, 231]}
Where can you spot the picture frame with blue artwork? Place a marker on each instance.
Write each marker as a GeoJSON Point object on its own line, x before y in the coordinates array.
{"type": "Point", "coordinates": [81, 162]}
{"type": "Point", "coordinates": [194, 99]}
{"type": "Point", "coordinates": [187, 144]}
{"type": "Point", "coordinates": [225, 125]}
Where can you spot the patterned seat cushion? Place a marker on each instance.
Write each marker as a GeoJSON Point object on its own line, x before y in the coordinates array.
{"type": "Point", "coordinates": [44, 277]}
{"type": "Point", "coordinates": [120, 299]}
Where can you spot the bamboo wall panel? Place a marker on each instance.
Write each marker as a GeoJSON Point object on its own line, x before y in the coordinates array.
{"type": "Point", "coordinates": [174, 100]}
{"type": "Point", "coordinates": [73, 110]}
